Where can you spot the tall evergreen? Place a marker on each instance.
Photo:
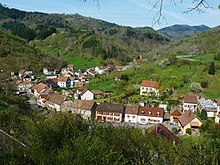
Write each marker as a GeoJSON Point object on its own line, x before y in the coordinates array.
{"type": "Point", "coordinates": [212, 68]}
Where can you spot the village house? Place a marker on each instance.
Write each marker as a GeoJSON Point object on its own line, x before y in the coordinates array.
{"type": "Point", "coordinates": [37, 89]}
{"type": "Point", "coordinates": [25, 76]}
{"type": "Point", "coordinates": [64, 82]}
{"type": "Point", "coordinates": [109, 112]}
{"type": "Point", "coordinates": [49, 71]}
{"type": "Point", "coordinates": [188, 120]}
{"type": "Point", "coordinates": [23, 86]}
{"type": "Point", "coordinates": [159, 130]}
{"type": "Point", "coordinates": [55, 101]}
{"type": "Point", "coordinates": [148, 87]}
{"type": "Point", "coordinates": [83, 94]}
{"type": "Point", "coordinates": [190, 102]}
{"type": "Point", "coordinates": [85, 108]}
{"type": "Point", "coordinates": [175, 113]}
{"type": "Point", "coordinates": [131, 112]}
{"type": "Point", "coordinates": [97, 94]}
{"type": "Point", "coordinates": [209, 106]}
{"type": "Point", "coordinates": [68, 71]}
{"type": "Point", "coordinates": [149, 115]}
{"type": "Point", "coordinates": [44, 96]}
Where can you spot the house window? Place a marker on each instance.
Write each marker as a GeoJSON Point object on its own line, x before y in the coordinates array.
{"type": "Point", "coordinates": [116, 119]}
{"type": "Point", "coordinates": [158, 113]}
{"type": "Point", "coordinates": [109, 118]}
{"type": "Point", "coordinates": [133, 117]}
{"type": "Point", "coordinates": [143, 119]}
{"type": "Point", "coordinates": [117, 114]}
{"type": "Point", "coordinates": [99, 112]}
{"type": "Point", "coordinates": [149, 112]}
{"type": "Point", "coordinates": [110, 114]}
{"type": "Point", "coordinates": [142, 112]}
{"type": "Point", "coordinates": [128, 116]}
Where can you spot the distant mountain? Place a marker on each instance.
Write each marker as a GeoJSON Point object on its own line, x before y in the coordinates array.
{"type": "Point", "coordinates": [80, 35]}
{"type": "Point", "coordinates": [181, 31]}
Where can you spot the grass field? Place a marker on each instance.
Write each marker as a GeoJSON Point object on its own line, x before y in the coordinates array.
{"type": "Point", "coordinates": [82, 62]}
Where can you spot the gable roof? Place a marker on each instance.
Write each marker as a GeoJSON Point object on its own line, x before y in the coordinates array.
{"type": "Point", "coordinates": [186, 118]}
{"type": "Point", "coordinates": [84, 104]}
{"type": "Point", "coordinates": [96, 92]}
{"type": "Point", "coordinates": [151, 111]}
{"type": "Point", "coordinates": [163, 132]}
{"type": "Point", "coordinates": [56, 99]}
{"type": "Point", "coordinates": [190, 99]}
{"type": "Point", "coordinates": [62, 79]}
{"type": "Point", "coordinates": [149, 83]}
{"type": "Point", "coordinates": [110, 107]}
{"type": "Point", "coordinates": [175, 109]}
{"type": "Point", "coordinates": [39, 87]}
{"type": "Point", "coordinates": [132, 109]}
{"type": "Point", "coordinates": [218, 101]}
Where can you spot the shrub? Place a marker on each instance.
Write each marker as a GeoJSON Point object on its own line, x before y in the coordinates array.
{"type": "Point", "coordinates": [204, 84]}
{"type": "Point", "coordinates": [212, 68]}
{"type": "Point", "coordinates": [189, 131]}
{"type": "Point", "coordinates": [217, 56]}
{"type": "Point", "coordinates": [203, 115]}
{"type": "Point", "coordinates": [195, 87]}
{"type": "Point", "coordinates": [174, 130]}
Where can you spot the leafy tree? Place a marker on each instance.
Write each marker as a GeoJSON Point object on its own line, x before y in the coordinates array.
{"type": "Point", "coordinates": [212, 68]}
{"type": "Point", "coordinates": [217, 56]}
{"type": "Point", "coordinates": [203, 115]}
{"type": "Point", "coordinates": [189, 131]}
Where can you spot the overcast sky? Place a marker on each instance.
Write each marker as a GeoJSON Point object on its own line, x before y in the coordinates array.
{"type": "Point", "coordinates": [133, 13]}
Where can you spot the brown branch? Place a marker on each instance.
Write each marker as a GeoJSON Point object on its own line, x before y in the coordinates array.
{"type": "Point", "coordinates": [199, 7]}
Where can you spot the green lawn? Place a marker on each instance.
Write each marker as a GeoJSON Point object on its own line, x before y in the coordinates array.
{"type": "Point", "coordinates": [205, 58]}
{"type": "Point", "coordinates": [82, 62]}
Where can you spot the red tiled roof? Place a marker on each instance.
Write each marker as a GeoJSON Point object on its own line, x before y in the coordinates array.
{"type": "Point", "coordinates": [39, 87]}
{"type": "Point", "coordinates": [62, 79]}
{"type": "Point", "coordinates": [148, 83]}
{"type": "Point", "coordinates": [163, 132]}
{"type": "Point", "coordinates": [151, 111]}
{"type": "Point", "coordinates": [132, 109]}
{"type": "Point", "coordinates": [174, 110]}
{"type": "Point", "coordinates": [190, 99]}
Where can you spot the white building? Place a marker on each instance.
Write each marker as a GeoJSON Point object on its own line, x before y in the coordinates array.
{"type": "Point", "coordinates": [148, 87]}
{"type": "Point", "coordinates": [131, 112]}
{"type": "Point", "coordinates": [87, 95]}
{"type": "Point", "coordinates": [209, 106]}
{"type": "Point", "coordinates": [217, 117]}
{"type": "Point", "coordinates": [148, 115]}
{"type": "Point", "coordinates": [190, 102]}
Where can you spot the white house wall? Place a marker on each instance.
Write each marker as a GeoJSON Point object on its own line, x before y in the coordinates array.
{"type": "Point", "coordinates": [87, 96]}
{"type": "Point", "coordinates": [131, 118]}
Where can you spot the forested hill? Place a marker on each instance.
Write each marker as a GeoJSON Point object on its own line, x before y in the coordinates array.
{"type": "Point", "coordinates": [80, 34]}
{"type": "Point", "coordinates": [16, 54]}
{"type": "Point", "coordinates": [206, 42]}
{"type": "Point", "coordinates": [181, 31]}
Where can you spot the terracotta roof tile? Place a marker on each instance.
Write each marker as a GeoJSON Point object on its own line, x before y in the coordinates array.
{"type": "Point", "coordinates": [62, 79]}
{"type": "Point", "coordinates": [190, 99]}
{"type": "Point", "coordinates": [96, 92]}
{"type": "Point", "coordinates": [39, 87]}
{"type": "Point", "coordinates": [163, 132]}
{"type": "Point", "coordinates": [148, 83]}
{"type": "Point", "coordinates": [175, 109]}
{"type": "Point", "coordinates": [151, 111]}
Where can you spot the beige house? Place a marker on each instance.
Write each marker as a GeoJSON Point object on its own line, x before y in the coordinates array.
{"type": "Point", "coordinates": [188, 120]}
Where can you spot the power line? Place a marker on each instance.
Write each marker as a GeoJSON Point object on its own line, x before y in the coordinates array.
{"type": "Point", "coordinates": [24, 145]}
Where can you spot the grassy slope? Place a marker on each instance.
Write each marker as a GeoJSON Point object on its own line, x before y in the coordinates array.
{"type": "Point", "coordinates": [171, 76]}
